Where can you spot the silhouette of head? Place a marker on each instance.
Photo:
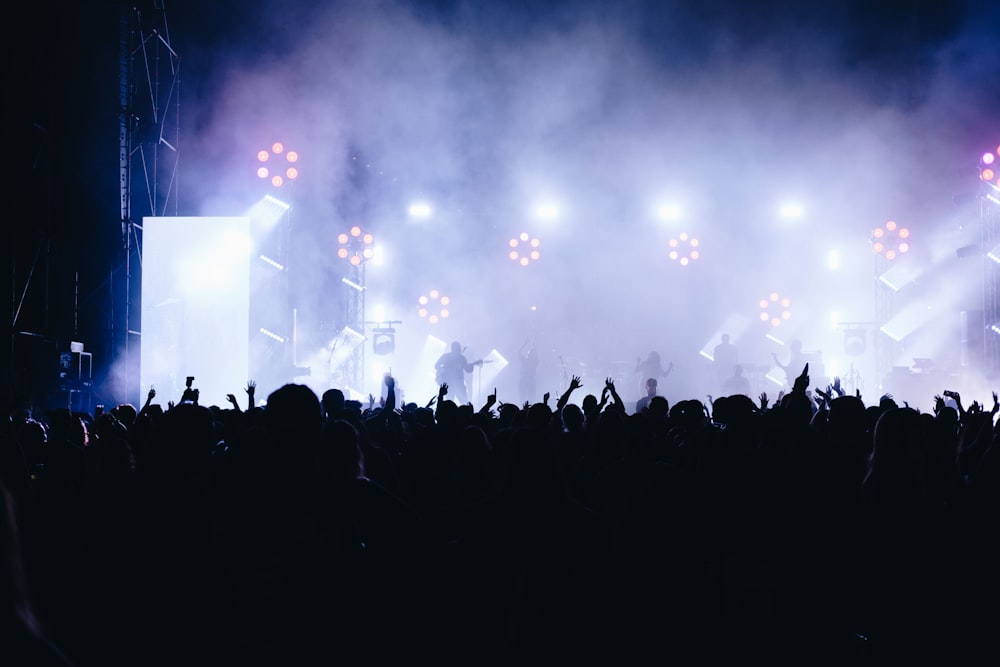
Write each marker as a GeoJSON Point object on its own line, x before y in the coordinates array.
{"type": "Point", "coordinates": [456, 347]}
{"type": "Point", "coordinates": [333, 401]}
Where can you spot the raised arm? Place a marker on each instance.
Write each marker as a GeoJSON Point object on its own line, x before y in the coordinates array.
{"type": "Point", "coordinates": [617, 402]}
{"type": "Point", "coordinates": [574, 384]}
{"type": "Point", "coordinates": [491, 400]}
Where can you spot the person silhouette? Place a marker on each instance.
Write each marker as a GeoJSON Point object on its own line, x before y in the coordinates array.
{"type": "Point", "coordinates": [725, 355]}
{"type": "Point", "coordinates": [651, 367]}
{"type": "Point", "coordinates": [796, 361]}
{"type": "Point", "coordinates": [736, 383]}
{"type": "Point", "coordinates": [451, 368]}
{"type": "Point", "coordinates": [651, 387]}
{"type": "Point", "coordinates": [527, 382]}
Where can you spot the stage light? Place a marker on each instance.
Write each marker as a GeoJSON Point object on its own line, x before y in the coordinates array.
{"type": "Point", "coordinates": [341, 348]}
{"type": "Point", "coordinates": [524, 249]}
{"type": "Point", "coordinates": [433, 306]}
{"type": "Point", "coordinates": [854, 341]}
{"type": "Point", "coordinates": [684, 249]}
{"type": "Point", "coordinates": [790, 211]}
{"type": "Point", "coordinates": [383, 340]}
{"type": "Point", "coordinates": [277, 164]}
{"type": "Point", "coordinates": [669, 212]}
{"type": "Point", "coordinates": [273, 336]}
{"type": "Point", "coordinates": [547, 211]}
{"type": "Point", "coordinates": [353, 285]}
{"type": "Point", "coordinates": [988, 168]}
{"type": "Point", "coordinates": [419, 210]}
{"type": "Point", "coordinates": [890, 240]}
{"type": "Point", "coordinates": [775, 309]}
{"type": "Point", "coordinates": [268, 211]}
{"type": "Point", "coordinates": [899, 276]}
{"type": "Point", "coordinates": [356, 246]}
{"type": "Point", "coordinates": [272, 262]}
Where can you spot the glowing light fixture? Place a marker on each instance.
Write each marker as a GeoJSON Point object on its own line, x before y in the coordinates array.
{"type": "Point", "coordinates": [356, 246]}
{"type": "Point", "coordinates": [988, 167]}
{"type": "Point", "coordinates": [790, 211]}
{"type": "Point", "coordinates": [524, 249]}
{"type": "Point", "coordinates": [669, 212]}
{"type": "Point", "coordinates": [547, 211]}
{"type": "Point", "coordinates": [890, 240]}
{"type": "Point", "coordinates": [434, 306]}
{"type": "Point", "coordinates": [775, 309]}
{"type": "Point", "coordinates": [420, 210]}
{"type": "Point", "coordinates": [684, 249]}
{"type": "Point", "coordinates": [277, 164]}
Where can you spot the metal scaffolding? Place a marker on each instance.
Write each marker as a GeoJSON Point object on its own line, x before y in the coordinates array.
{"type": "Point", "coordinates": [149, 138]}
{"type": "Point", "coordinates": [990, 210]}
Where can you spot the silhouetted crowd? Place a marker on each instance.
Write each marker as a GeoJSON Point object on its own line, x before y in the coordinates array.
{"type": "Point", "coordinates": [818, 528]}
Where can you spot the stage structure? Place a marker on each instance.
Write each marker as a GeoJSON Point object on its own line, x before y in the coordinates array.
{"type": "Point", "coordinates": [356, 247]}
{"type": "Point", "coordinates": [149, 131]}
{"type": "Point", "coordinates": [889, 242]}
{"type": "Point", "coordinates": [990, 214]}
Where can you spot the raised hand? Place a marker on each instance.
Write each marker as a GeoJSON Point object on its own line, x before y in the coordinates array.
{"type": "Point", "coordinates": [575, 383]}
{"type": "Point", "coordinates": [251, 389]}
{"type": "Point", "coordinates": [232, 399]}
{"type": "Point", "coordinates": [802, 381]}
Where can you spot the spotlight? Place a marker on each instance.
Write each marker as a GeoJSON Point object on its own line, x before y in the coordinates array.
{"type": "Point", "coordinates": [433, 306]}
{"type": "Point", "coordinates": [774, 309]}
{"type": "Point", "coordinates": [524, 249]}
{"type": "Point", "coordinates": [277, 164]}
{"type": "Point", "coordinates": [890, 240]}
{"type": "Point", "coordinates": [988, 168]}
{"type": "Point", "coordinates": [854, 341]}
{"type": "Point", "coordinates": [383, 340]}
{"type": "Point", "coordinates": [356, 246]}
{"type": "Point", "coordinates": [420, 210]}
{"type": "Point", "coordinates": [684, 249]}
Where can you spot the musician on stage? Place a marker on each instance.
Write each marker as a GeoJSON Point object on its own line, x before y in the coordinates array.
{"type": "Point", "coordinates": [451, 368]}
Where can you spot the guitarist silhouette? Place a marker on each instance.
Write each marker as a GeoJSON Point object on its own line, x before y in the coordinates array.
{"type": "Point", "coordinates": [451, 368]}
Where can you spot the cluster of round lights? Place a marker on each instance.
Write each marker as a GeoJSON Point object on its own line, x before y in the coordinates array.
{"type": "Point", "coordinates": [775, 309]}
{"type": "Point", "coordinates": [684, 249]}
{"type": "Point", "coordinates": [988, 167]}
{"type": "Point", "coordinates": [433, 306]}
{"type": "Point", "coordinates": [890, 240]}
{"type": "Point", "coordinates": [356, 246]}
{"type": "Point", "coordinates": [524, 249]}
{"type": "Point", "coordinates": [277, 164]}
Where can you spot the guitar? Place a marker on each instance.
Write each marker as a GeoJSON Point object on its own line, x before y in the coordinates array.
{"type": "Point", "coordinates": [439, 377]}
